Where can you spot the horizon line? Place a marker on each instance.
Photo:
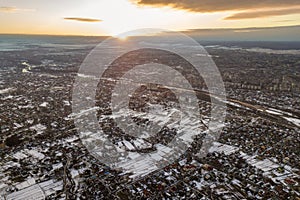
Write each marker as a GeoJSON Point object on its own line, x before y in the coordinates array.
{"type": "Point", "coordinates": [183, 31]}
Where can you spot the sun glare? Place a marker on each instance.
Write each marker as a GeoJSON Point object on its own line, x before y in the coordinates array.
{"type": "Point", "coordinates": [122, 37]}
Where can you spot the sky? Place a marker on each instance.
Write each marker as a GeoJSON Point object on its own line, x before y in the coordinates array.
{"type": "Point", "coordinates": [112, 17]}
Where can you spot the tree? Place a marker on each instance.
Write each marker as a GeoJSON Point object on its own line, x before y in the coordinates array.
{"type": "Point", "coordinates": [12, 141]}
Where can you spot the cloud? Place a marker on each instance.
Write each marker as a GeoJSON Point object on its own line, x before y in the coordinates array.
{"type": "Point", "coordinates": [9, 9]}
{"type": "Point", "coordinates": [277, 33]}
{"type": "Point", "coordinates": [263, 13]}
{"type": "Point", "coordinates": [218, 5]}
{"type": "Point", "coordinates": [286, 20]}
{"type": "Point", "coordinates": [82, 19]}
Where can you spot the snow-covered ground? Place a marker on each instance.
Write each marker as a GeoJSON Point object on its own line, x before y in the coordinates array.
{"type": "Point", "coordinates": [293, 120]}
{"type": "Point", "coordinates": [6, 90]}
{"type": "Point", "coordinates": [36, 191]}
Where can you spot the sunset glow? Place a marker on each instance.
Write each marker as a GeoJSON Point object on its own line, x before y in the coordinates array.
{"type": "Point", "coordinates": [114, 17]}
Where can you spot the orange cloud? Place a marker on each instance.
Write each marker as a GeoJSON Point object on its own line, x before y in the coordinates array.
{"type": "Point", "coordinates": [82, 19]}
{"type": "Point", "coordinates": [8, 9]}
{"type": "Point", "coordinates": [263, 13]}
{"type": "Point", "coordinates": [218, 5]}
